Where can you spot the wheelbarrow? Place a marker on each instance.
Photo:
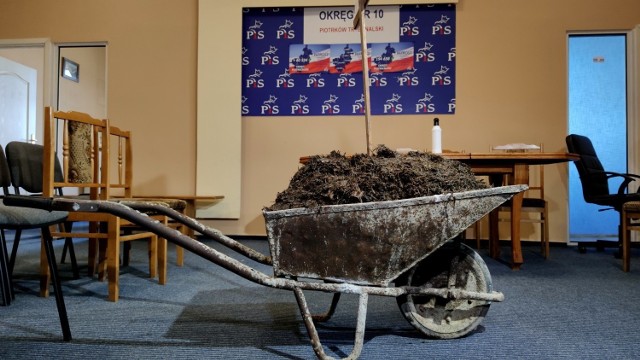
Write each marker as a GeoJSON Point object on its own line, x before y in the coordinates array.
{"type": "Point", "coordinates": [407, 249]}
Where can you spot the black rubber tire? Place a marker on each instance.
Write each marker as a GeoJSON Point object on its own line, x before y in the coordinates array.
{"type": "Point", "coordinates": [440, 318]}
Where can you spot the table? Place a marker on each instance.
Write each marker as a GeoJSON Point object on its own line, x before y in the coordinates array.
{"type": "Point", "coordinates": [496, 165]}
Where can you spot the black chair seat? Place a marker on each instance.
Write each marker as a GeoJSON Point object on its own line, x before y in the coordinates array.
{"type": "Point", "coordinates": [12, 217]}
{"type": "Point", "coordinates": [529, 202]}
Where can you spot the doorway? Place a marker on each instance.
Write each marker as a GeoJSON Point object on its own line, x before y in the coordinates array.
{"type": "Point", "coordinates": [597, 108]}
{"type": "Point", "coordinates": [87, 94]}
{"type": "Point", "coordinates": [86, 91]}
{"type": "Point", "coordinates": [23, 96]}
{"type": "Point", "coordinates": [18, 89]}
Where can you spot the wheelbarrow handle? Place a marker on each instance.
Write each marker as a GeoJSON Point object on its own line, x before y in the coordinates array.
{"type": "Point", "coordinates": [49, 204]}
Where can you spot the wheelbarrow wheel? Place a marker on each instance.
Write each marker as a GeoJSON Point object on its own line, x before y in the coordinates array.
{"type": "Point", "coordinates": [452, 265]}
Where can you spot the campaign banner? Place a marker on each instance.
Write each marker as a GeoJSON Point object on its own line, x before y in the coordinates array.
{"type": "Point", "coordinates": [308, 59]}
{"type": "Point", "coordinates": [392, 57]}
{"type": "Point", "coordinates": [278, 79]}
{"type": "Point", "coordinates": [347, 59]}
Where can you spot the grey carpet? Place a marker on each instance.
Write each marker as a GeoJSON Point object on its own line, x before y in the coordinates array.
{"type": "Point", "coordinates": [571, 306]}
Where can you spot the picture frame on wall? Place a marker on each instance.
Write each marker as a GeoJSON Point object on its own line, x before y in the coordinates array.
{"type": "Point", "coordinates": [70, 70]}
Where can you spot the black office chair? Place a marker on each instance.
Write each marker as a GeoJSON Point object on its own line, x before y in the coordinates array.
{"type": "Point", "coordinates": [25, 166]}
{"type": "Point", "coordinates": [595, 181]}
{"type": "Point", "coordinates": [18, 219]}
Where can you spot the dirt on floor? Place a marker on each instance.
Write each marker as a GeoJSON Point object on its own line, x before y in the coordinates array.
{"type": "Point", "coordinates": [335, 179]}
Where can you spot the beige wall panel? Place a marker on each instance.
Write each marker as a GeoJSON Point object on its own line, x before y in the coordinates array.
{"type": "Point", "coordinates": [511, 86]}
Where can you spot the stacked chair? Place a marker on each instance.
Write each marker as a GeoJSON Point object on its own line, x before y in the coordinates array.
{"type": "Point", "coordinates": [98, 156]}
{"type": "Point", "coordinates": [84, 142]}
{"type": "Point", "coordinates": [19, 219]}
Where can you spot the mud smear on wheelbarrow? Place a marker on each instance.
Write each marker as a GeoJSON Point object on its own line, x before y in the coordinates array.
{"type": "Point", "coordinates": [386, 175]}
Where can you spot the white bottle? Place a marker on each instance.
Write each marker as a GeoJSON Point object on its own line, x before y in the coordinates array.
{"type": "Point", "coordinates": [436, 137]}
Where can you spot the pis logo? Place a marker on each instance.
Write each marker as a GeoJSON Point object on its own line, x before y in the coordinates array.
{"type": "Point", "coordinates": [393, 105]}
{"type": "Point", "coordinates": [452, 54]}
{"type": "Point", "coordinates": [300, 107]}
{"type": "Point", "coordinates": [346, 80]}
{"type": "Point", "coordinates": [245, 108]}
{"type": "Point", "coordinates": [424, 105]}
{"type": "Point", "coordinates": [424, 54]}
{"type": "Point", "coordinates": [269, 106]}
{"type": "Point", "coordinates": [377, 80]}
{"type": "Point", "coordinates": [440, 77]}
{"type": "Point", "coordinates": [329, 106]}
{"type": "Point", "coordinates": [452, 105]}
{"type": "Point", "coordinates": [408, 78]}
{"type": "Point", "coordinates": [284, 80]}
{"type": "Point", "coordinates": [315, 80]}
{"type": "Point", "coordinates": [440, 27]}
{"type": "Point", "coordinates": [409, 27]}
{"type": "Point", "coordinates": [285, 31]}
{"type": "Point", "coordinates": [269, 57]}
{"type": "Point", "coordinates": [254, 80]}
{"type": "Point", "coordinates": [245, 59]}
{"type": "Point", "coordinates": [358, 106]}
{"type": "Point", "coordinates": [254, 32]}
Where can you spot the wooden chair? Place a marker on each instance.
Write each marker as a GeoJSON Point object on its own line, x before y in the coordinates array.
{"type": "Point", "coordinates": [534, 205]}
{"type": "Point", "coordinates": [122, 181]}
{"type": "Point", "coordinates": [630, 217]}
{"type": "Point", "coordinates": [84, 144]}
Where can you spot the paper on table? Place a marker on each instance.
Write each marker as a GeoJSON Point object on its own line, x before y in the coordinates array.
{"type": "Point", "coordinates": [517, 146]}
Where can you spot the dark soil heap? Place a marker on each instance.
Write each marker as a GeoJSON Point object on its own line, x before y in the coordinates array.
{"type": "Point", "coordinates": [386, 175]}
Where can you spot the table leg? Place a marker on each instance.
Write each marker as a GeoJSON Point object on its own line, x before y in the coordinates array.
{"type": "Point", "coordinates": [520, 176]}
{"type": "Point", "coordinates": [494, 238]}
{"type": "Point", "coordinates": [516, 246]}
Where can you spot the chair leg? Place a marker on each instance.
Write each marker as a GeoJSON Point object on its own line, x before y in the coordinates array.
{"type": "Point", "coordinates": [53, 270]}
{"type": "Point", "coordinates": [162, 257]}
{"type": "Point", "coordinates": [65, 249]}
{"type": "Point", "coordinates": [476, 230]}
{"type": "Point", "coordinates": [626, 242]}
{"type": "Point", "coordinates": [5, 278]}
{"type": "Point", "coordinates": [153, 256]}
{"type": "Point", "coordinates": [179, 250]}
{"type": "Point", "coordinates": [545, 233]}
{"type": "Point", "coordinates": [68, 242]}
{"type": "Point", "coordinates": [179, 256]}
{"type": "Point", "coordinates": [14, 250]}
{"type": "Point", "coordinates": [113, 258]}
{"type": "Point", "coordinates": [162, 261]}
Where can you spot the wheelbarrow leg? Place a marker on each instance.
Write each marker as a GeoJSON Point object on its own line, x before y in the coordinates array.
{"type": "Point", "coordinates": [332, 309]}
{"type": "Point", "coordinates": [313, 333]}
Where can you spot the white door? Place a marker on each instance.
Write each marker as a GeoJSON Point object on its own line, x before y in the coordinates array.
{"type": "Point", "coordinates": [18, 89]}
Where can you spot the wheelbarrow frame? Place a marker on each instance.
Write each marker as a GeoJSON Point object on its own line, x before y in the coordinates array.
{"type": "Point", "coordinates": [135, 213]}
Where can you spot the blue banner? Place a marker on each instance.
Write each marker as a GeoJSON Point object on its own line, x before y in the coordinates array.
{"type": "Point", "coordinates": [284, 76]}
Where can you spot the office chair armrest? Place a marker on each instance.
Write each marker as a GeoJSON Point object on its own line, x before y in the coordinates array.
{"type": "Point", "coordinates": [628, 178]}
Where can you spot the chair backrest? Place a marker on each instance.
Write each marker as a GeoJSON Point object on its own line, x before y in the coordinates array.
{"type": "Point", "coordinates": [25, 161]}
{"type": "Point", "coordinates": [84, 145]}
{"type": "Point", "coordinates": [592, 176]}
{"type": "Point", "coordinates": [121, 147]}
{"type": "Point", "coordinates": [5, 174]}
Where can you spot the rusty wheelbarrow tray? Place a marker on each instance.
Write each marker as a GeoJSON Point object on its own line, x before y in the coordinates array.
{"type": "Point", "coordinates": [394, 248]}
